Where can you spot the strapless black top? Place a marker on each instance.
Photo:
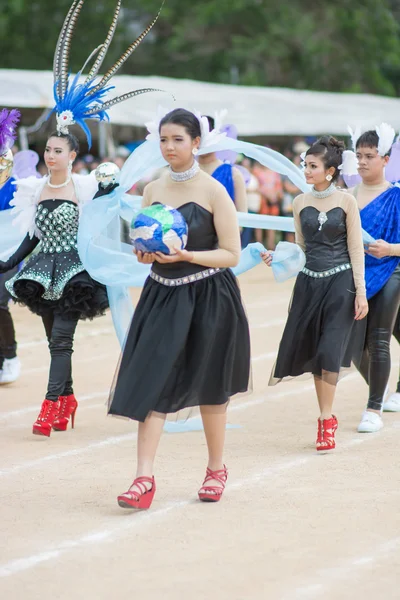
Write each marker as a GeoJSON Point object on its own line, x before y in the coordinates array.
{"type": "Point", "coordinates": [201, 236]}
{"type": "Point", "coordinates": [325, 238]}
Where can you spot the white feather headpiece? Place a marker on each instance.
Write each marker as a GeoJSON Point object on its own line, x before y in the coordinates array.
{"type": "Point", "coordinates": [349, 164]}
{"type": "Point", "coordinates": [386, 135]}
{"type": "Point", "coordinates": [354, 135]}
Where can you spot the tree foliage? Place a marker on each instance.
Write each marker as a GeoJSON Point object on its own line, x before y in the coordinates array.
{"type": "Point", "coordinates": [348, 45]}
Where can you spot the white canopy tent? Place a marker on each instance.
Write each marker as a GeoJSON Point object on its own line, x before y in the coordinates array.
{"type": "Point", "coordinates": [256, 111]}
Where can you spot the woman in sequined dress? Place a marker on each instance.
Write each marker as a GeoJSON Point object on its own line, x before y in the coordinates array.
{"type": "Point", "coordinates": [329, 294]}
{"type": "Point", "coordinates": [53, 283]}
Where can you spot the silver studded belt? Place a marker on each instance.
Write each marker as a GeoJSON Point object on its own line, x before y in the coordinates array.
{"type": "Point", "coordinates": [318, 274]}
{"type": "Point", "coordinates": [186, 279]}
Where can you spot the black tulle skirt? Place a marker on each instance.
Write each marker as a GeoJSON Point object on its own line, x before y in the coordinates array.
{"type": "Point", "coordinates": [58, 281]}
{"type": "Point", "coordinates": [187, 346]}
{"type": "Point", "coordinates": [319, 334]}
{"type": "Point", "coordinates": [82, 298]}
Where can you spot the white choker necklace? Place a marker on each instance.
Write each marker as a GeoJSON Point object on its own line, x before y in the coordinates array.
{"type": "Point", "coordinates": [60, 185]}
{"type": "Point", "coordinates": [185, 175]}
{"type": "Point", "coordinates": [325, 193]}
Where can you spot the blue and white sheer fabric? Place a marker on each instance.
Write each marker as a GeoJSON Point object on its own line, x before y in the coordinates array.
{"type": "Point", "coordinates": [110, 261]}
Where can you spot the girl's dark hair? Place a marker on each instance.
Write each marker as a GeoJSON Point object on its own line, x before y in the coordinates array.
{"type": "Point", "coordinates": [370, 139]}
{"type": "Point", "coordinates": [188, 120]}
{"type": "Point", "coordinates": [330, 150]}
{"type": "Point", "coordinates": [72, 141]}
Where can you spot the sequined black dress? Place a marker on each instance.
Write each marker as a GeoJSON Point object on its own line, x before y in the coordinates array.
{"type": "Point", "coordinates": [188, 343]}
{"type": "Point", "coordinates": [54, 275]}
{"type": "Point", "coordinates": [318, 335]}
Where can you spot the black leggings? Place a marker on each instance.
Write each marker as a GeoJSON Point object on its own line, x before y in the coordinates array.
{"type": "Point", "coordinates": [374, 365]}
{"type": "Point", "coordinates": [60, 334]}
{"type": "Point", "coordinates": [396, 333]}
{"type": "Point", "coordinates": [8, 344]}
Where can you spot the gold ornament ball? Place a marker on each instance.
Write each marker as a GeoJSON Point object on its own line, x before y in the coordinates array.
{"type": "Point", "coordinates": [107, 174]}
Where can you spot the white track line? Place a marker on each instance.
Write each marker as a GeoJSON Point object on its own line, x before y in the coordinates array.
{"type": "Point", "coordinates": [45, 368]}
{"type": "Point", "coordinates": [271, 323]}
{"type": "Point", "coordinates": [110, 441]}
{"type": "Point", "coordinates": [110, 534]}
{"type": "Point", "coordinates": [33, 409]}
{"type": "Point", "coordinates": [330, 576]}
{"type": "Point", "coordinates": [111, 330]}
{"type": "Point", "coordinates": [79, 336]}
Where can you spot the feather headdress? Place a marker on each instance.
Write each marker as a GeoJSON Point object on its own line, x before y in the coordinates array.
{"type": "Point", "coordinates": [386, 135]}
{"type": "Point", "coordinates": [8, 129]}
{"type": "Point", "coordinates": [75, 101]}
{"type": "Point", "coordinates": [354, 136]}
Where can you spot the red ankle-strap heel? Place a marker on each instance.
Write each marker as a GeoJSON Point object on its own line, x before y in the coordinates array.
{"type": "Point", "coordinates": [47, 416]}
{"type": "Point", "coordinates": [68, 407]}
{"type": "Point", "coordinates": [213, 493]}
{"type": "Point", "coordinates": [141, 499]}
{"type": "Point", "coordinates": [326, 434]}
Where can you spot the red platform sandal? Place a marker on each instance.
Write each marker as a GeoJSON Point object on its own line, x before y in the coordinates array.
{"type": "Point", "coordinates": [213, 493]}
{"type": "Point", "coordinates": [142, 499]}
{"type": "Point", "coordinates": [326, 434]}
{"type": "Point", "coordinates": [47, 416]}
{"type": "Point", "coordinates": [68, 406]}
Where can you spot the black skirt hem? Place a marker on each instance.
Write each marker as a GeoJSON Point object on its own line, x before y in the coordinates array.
{"type": "Point", "coordinates": [82, 298]}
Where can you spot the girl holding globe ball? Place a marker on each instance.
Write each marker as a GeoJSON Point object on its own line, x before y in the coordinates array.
{"type": "Point", "coordinates": [188, 343]}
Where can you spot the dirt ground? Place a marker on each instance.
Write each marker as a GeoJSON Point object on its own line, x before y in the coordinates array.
{"type": "Point", "coordinates": [292, 524]}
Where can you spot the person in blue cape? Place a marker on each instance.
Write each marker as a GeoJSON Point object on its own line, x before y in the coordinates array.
{"type": "Point", "coordinates": [226, 173]}
{"type": "Point", "coordinates": [10, 366]}
{"type": "Point", "coordinates": [379, 204]}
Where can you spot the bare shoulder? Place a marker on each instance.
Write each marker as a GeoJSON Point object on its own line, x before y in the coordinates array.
{"type": "Point", "coordinates": [237, 174]}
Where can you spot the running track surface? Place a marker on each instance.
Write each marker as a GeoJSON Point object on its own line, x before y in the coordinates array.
{"type": "Point", "coordinates": [291, 525]}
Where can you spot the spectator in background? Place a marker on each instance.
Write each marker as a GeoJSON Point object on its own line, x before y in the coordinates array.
{"type": "Point", "coordinates": [254, 199]}
{"type": "Point", "coordinates": [270, 186]}
{"type": "Point", "coordinates": [230, 177]}
{"type": "Point", "coordinates": [42, 169]}
{"type": "Point", "coordinates": [290, 191]}
{"type": "Point", "coordinates": [80, 167]}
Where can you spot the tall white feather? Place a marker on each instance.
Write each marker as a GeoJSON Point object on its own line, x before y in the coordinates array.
{"type": "Point", "coordinates": [354, 135]}
{"type": "Point", "coordinates": [25, 202]}
{"type": "Point", "coordinates": [208, 138]}
{"type": "Point", "coordinates": [386, 135]}
{"type": "Point", "coordinates": [349, 165]}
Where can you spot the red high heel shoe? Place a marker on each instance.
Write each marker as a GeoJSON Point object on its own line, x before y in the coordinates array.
{"type": "Point", "coordinates": [141, 499]}
{"type": "Point", "coordinates": [47, 416]}
{"type": "Point", "coordinates": [326, 434]}
{"type": "Point", "coordinates": [213, 493]}
{"type": "Point", "coordinates": [68, 406]}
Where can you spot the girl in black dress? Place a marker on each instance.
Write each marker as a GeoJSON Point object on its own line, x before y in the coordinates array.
{"type": "Point", "coordinates": [188, 344]}
{"type": "Point", "coordinates": [329, 293]}
{"type": "Point", "coordinates": [53, 283]}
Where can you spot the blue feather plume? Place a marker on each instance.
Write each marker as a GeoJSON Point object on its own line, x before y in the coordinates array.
{"type": "Point", "coordinates": [77, 100]}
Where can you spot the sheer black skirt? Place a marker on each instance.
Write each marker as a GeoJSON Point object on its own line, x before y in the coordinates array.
{"type": "Point", "coordinates": [187, 346]}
